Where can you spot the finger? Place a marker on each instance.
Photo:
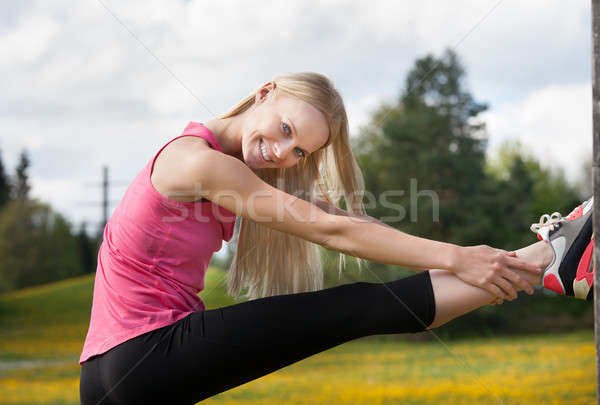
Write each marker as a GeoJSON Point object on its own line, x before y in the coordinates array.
{"type": "Point", "coordinates": [507, 287]}
{"type": "Point", "coordinates": [517, 280]}
{"type": "Point", "coordinates": [496, 291]}
{"type": "Point", "coordinates": [508, 252]}
{"type": "Point", "coordinates": [521, 265]}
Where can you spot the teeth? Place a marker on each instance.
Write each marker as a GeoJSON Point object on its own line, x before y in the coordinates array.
{"type": "Point", "coordinates": [263, 150]}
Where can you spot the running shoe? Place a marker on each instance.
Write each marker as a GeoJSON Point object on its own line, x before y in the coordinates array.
{"type": "Point", "coordinates": [571, 239]}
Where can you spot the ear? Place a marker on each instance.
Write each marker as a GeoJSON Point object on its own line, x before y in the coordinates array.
{"type": "Point", "coordinates": [265, 89]}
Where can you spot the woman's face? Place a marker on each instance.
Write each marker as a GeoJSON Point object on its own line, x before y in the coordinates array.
{"type": "Point", "coordinates": [285, 129]}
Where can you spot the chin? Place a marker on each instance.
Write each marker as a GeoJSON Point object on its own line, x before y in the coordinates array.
{"type": "Point", "coordinates": [250, 163]}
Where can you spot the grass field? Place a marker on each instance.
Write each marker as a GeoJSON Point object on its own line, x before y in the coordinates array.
{"type": "Point", "coordinates": [42, 331]}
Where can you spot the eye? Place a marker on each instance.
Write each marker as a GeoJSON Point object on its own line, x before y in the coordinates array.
{"type": "Point", "coordinates": [288, 130]}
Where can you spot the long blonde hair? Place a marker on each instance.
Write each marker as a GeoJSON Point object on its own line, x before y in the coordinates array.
{"type": "Point", "coordinates": [269, 262]}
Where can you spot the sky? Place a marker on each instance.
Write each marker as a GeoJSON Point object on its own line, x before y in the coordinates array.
{"type": "Point", "coordinates": [98, 82]}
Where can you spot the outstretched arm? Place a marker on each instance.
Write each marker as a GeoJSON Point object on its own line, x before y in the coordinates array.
{"type": "Point", "coordinates": [229, 183]}
{"type": "Point", "coordinates": [413, 258]}
{"type": "Point", "coordinates": [475, 277]}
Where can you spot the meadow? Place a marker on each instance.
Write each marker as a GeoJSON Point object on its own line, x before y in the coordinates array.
{"type": "Point", "coordinates": [42, 331]}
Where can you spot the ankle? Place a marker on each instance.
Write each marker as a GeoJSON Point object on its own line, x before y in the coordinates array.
{"type": "Point", "coordinates": [546, 255]}
{"type": "Point", "coordinates": [539, 254]}
{"type": "Point", "coordinates": [543, 258]}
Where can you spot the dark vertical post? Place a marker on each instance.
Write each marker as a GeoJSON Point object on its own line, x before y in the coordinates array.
{"type": "Point", "coordinates": [596, 174]}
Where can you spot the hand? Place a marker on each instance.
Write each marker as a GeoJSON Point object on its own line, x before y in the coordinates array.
{"type": "Point", "coordinates": [491, 269]}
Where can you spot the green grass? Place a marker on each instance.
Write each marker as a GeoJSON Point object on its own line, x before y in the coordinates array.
{"type": "Point", "coordinates": [42, 330]}
{"type": "Point", "coordinates": [51, 321]}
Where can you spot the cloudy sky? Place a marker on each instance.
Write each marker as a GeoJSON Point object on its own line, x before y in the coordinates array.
{"type": "Point", "coordinates": [102, 82]}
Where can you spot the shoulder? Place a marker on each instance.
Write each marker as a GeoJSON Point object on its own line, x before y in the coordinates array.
{"type": "Point", "coordinates": [170, 173]}
{"type": "Point", "coordinates": [218, 170]}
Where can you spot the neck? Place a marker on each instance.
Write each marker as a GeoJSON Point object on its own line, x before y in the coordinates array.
{"type": "Point", "coordinates": [228, 132]}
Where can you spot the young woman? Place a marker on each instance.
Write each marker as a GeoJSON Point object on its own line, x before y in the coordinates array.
{"type": "Point", "coordinates": [150, 339]}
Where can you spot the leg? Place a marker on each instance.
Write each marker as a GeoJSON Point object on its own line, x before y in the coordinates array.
{"type": "Point", "coordinates": [209, 352]}
{"type": "Point", "coordinates": [454, 297]}
{"type": "Point", "coordinates": [91, 390]}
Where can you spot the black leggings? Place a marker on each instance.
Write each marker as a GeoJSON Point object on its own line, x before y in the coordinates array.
{"type": "Point", "coordinates": [211, 351]}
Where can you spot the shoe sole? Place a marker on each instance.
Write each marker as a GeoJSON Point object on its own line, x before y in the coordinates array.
{"type": "Point", "coordinates": [584, 279]}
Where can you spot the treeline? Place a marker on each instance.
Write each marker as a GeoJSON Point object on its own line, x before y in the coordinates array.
{"type": "Point", "coordinates": [426, 173]}
{"type": "Point", "coordinates": [37, 245]}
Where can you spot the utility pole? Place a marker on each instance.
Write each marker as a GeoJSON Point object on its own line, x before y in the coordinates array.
{"type": "Point", "coordinates": [596, 175]}
{"type": "Point", "coordinates": [105, 204]}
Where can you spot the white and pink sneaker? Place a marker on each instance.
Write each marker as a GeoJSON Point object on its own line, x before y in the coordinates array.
{"type": "Point", "coordinates": [571, 239]}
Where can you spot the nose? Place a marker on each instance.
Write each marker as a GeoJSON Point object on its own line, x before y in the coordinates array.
{"type": "Point", "coordinates": [282, 148]}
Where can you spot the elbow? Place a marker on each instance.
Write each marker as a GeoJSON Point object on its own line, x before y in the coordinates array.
{"type": "Point", "coordinates": [335, 234]}
{"type": "Point", "coordinates": [327, 233]}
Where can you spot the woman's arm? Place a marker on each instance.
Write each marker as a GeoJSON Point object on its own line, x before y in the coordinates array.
{"type": "Point", "coordinates": [332, 209]}
{"type": "Point", "coordinates": [229, 183]}
{"type": "Point", "coordinates": [445, 251]}
{"type": "Point", "coordinates": [481, 266]}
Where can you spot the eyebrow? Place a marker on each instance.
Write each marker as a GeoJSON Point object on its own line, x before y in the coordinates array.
{"type": "Point", "coordinates": [296, 132]}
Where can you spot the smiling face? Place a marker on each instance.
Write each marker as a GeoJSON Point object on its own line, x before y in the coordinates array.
{"type": "Point", "coordinates": [282, 129]}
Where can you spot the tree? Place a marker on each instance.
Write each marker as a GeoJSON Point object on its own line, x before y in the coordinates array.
{"type": "Point", "coordinates": [428, 149]}
{"type": "Point", "coordinates": [87, 249]}
{"type": "Point", "coordinates": [36, 245]}
{"type": "Point", "coordinates": [423, 160]}
{"type": "Point", "coordinates": [519, 190]}
{"type": "Point", "coordinates": [5, 186]}
{"type": "Point", "coordinates": [21, 186]}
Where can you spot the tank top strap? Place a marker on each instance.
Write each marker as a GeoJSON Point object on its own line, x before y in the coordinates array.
{"type": "Point", "coordinates": [194, 129]}
{"type": "Point", "coordinates": [198, 129]}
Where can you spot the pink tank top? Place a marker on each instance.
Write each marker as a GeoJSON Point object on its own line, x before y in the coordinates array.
{"type": "Point", "coordinates": [153, 258]}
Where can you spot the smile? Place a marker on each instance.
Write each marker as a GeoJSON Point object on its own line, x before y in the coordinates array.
{"type": "Point", "coordinates": [263, 151]}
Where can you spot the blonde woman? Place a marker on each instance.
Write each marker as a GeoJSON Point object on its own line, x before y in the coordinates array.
{"type": "Point", "coordinates": [280, 161]}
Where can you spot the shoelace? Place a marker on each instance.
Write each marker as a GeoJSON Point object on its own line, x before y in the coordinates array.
{"type": "Point", "coordinates": [547, 220]}
{"type": "Point", "coordinates": [556, 217]}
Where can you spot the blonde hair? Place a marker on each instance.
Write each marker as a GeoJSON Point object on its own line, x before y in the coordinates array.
{"type": "Point", "coordinates": [269, 262]}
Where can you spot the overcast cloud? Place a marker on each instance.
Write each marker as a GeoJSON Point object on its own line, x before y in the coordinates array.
{"type": "Point", "coordinates": [79, 91]}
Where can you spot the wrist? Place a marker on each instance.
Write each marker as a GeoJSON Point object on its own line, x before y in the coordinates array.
{"type": "Point", "coordinates": [453, 257]}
